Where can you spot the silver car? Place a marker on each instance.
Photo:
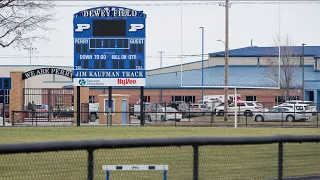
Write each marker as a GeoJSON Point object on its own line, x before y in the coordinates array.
{"type": "Point", "coordinates": [200, 109]}
{"type": "Point", "coordinates": [282, 114]}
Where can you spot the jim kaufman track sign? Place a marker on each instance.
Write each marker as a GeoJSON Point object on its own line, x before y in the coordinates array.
{"type": "Point", "coordinates": [109, 47]}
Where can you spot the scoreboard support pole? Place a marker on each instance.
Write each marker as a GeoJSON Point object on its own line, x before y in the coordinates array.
{"type": "Point", "coordinates": [110, 106]}
{"type": "Point", "coordinates": [141, 106]}
{"type": "Point", "coordinates": [78, 106]}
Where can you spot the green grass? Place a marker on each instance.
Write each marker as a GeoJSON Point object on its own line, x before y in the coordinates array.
{"type": "Point", "coordinates": [216, 162]}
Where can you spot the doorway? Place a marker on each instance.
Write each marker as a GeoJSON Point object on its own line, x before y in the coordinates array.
{"type": "Point", "coordinates": [124, 111]}
{"type": "Point", "coordinates": [309, 95]}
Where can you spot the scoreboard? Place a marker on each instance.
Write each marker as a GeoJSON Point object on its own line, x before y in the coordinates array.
{"type": "Point", "coordinates": [109, 47]}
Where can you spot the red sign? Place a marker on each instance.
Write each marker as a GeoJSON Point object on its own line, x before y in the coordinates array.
{"type": "Point", "coordinates": [126, 81]}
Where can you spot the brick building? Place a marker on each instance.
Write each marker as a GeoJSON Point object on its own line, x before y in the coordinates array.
{"type": "Point", "coordinates": [248, 67]}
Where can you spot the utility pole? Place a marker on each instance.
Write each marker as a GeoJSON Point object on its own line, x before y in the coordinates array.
{"type": "Point", "coordinates": [202, 52]}
{"type": "Point", "coordinates": [303, 71]}
{"type": "Point", "coordinates": [30, 49]}
{"type": "Point", "coordinates": [161, 58]}
{"type": "Point", "coordinates": [227, 6]}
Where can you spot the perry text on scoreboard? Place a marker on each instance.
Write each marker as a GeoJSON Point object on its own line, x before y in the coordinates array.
{"type": "Point", "coordinates": [109, 47]}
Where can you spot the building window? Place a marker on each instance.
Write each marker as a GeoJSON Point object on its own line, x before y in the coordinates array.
{"type": "Point", "coordinates": [146, 98]}
{"type": "Point", "coordinates": [251, 98]}
{"type": "Point", "coordinates": [282, 99]}
{"type": "Point", "coordinates": [59, 100]}
{"type": "Point", "coordinates": [184, 98]}
{"type": "Point", "coordinates": [72, 100]}
{"type": "Point", "coordinates": [189, 99]}
{"type": "Point", "coordinates": [6, 96]}
{"type": "Point", "coordinates": [279, 99]}
{"type": "Point", "coordinates": [176, 98]}
{"type": "Point", "coordinates": [91, 99]}
{"type": "Point", "coordinates": [294, 98]}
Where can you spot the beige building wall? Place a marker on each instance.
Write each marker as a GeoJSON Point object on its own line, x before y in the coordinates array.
{"type": "Point", "coordinates": [220, 61]}
{"type": "Point", "coordinates": [275, 60]}
{"type": "Point", "coordinates": [216, 61]}
{"type": "Point", "coordinates": [177, 68]}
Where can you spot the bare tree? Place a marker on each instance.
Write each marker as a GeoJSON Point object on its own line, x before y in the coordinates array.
{"type": "Point", "coordinates": [20, 21]}
{"type": "Point", "coordinates": [289, 62]}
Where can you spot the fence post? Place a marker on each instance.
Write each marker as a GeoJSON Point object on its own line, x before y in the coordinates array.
{"type": "Point", "coordinates": [282, 119]}
{"type": "Point", "coordinates": [211, 119]}
{"type": "Point", "coordinates": [195, 162]}
{"type": "Point", "coordinates": [189, 111]}
{"type": "Point", "coordinates": [175, 119]}
{"type": "Point", "coordinates": [246, 120]}
{"type": "Point", "coordinates": [317, 119]}
{"type": "Point", "coordinates": [90, 164]}
{"type": "Point", "coordinates": [280, 161]}
{"type": "Point", "coordinates": [12, 118]}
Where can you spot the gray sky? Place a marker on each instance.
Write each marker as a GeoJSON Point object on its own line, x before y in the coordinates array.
{"type": "Point", "coordinates": [259, 22]}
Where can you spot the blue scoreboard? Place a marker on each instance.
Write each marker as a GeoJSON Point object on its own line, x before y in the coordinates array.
{"type": "Point", "coordinates": [109, 47]}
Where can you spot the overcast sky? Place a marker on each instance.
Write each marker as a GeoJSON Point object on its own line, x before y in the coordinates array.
{"type": "Point", "coordinates": [259, 22]}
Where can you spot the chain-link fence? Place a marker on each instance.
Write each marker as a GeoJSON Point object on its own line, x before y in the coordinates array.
{"type": "Point", "coordinates": [246, 114]}
{"type": "Point", "coordinates": [269, 157]}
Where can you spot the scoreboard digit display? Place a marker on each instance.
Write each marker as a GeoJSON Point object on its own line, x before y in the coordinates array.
{"type": "Point", "coordinates": [109, 47]}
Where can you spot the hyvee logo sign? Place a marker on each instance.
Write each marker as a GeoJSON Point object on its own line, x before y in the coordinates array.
{"type": "Point", "coordinates": [126, 81]}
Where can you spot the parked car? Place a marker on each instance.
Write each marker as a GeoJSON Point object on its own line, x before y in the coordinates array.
{"type": "Point", "coordinates": [297, 107]}
{"type": "Point", "coordinates": [181, 106]}
{"type": "Point", "coordinates": [136, 108]}
{"type": "Point", "coordinates": [218, 106]}
{"type": "Point", "coordinates": [6, 111]}
{"type": "Point", "coordinates": [282, 113]}
{"type": "Point", "coordinates": [200, 109]}
{"type": "Point", "coordinates": [312, 105]}
{"type": "Point", "coordinates": [42, 110]}
{"type": "Point", "coordinates": [63, 111]}
{"type": "Point", "coordinates": [165, 114]}
{"type": "Point", "coordinates": [246, 108]}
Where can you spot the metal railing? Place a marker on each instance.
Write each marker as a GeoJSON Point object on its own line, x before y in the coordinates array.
{"type": "Point", "coordinates": [169, 118]}
{"type": "Point", "coordinates": [90, 146]}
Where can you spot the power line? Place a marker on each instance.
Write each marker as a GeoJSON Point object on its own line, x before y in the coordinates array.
{"type": "Point", "coordinates": [193, 3]}
{"type": "Point", "coordinates": [36, 57]}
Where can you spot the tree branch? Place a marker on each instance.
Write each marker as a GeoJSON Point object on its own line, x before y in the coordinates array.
{"type": "Point", "coordinates": [20, 19]}
{"type": "Point", "coordinates": [287, 62]}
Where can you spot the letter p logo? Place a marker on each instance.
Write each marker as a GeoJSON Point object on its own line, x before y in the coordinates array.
{"type": "Point", "coordinates": [135, 27]}
{"type": "Point", "coordinates": [81, 27]}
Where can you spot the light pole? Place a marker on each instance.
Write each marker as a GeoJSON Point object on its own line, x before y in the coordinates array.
{"type": "Point", "coordinates": [30, 49]}
{"type": "Point", "coordinates": [202, 49]}
{"type": "Point", "coordinates": [303, 44]}
{"type": "Point", "coordinates": [227, 6]}
{"type": "Point", "coordinates": [161, 58]}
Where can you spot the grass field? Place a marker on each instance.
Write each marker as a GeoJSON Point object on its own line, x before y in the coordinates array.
{"type": "Point", "coordinates": [223, 162]}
